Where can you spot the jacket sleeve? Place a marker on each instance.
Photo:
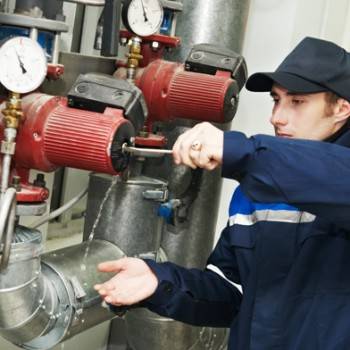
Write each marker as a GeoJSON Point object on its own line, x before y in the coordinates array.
{"type": "Point", "coordinates": [311, 175]}
{"type": "Point", "coordinates": [201, 298]}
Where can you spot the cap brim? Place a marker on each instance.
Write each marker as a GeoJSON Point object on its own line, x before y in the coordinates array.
{"type": "Point", "coordinates": [259, 82]}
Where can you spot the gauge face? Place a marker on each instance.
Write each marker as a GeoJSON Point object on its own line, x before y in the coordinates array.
{"type": "Point", "coordinates": [143, 17]}
{"type": "Point", "coordinates": [23, 65]}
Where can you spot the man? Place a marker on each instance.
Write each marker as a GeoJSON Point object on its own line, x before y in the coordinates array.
{"type": "Point", "coordinates": [287, 239]}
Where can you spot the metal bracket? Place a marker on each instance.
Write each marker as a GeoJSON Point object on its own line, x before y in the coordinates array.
{"type": "Point", "coordinates": [159, 195]}
{"type": "Point", "coordinates": [77, 287]}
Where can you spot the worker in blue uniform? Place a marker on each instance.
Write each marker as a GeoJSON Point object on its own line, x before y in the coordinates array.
{"type": "Point", "coordinates": [287, 241]}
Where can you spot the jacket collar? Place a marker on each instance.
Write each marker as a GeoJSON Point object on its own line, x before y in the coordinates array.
{"type": "Point", "coordinates": [342, 136]}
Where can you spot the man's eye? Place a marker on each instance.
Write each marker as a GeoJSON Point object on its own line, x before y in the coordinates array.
{"type": "Point", "coordinates": [275, 100]}
{"type": "Point", "coordinates": [297, 101]}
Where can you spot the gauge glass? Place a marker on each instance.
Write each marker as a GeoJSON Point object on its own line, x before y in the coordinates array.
{"type": "Point", "coordinates": [23, 65]}
{"type": "Point", "coordinates": [144, 17]}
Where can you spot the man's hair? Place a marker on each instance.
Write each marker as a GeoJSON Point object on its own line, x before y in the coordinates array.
{"type": "Point", "coordinates": [331, 99]}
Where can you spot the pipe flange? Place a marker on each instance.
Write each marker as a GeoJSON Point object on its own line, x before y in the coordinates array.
{"type": "Point", "coordinates": [63, 314]}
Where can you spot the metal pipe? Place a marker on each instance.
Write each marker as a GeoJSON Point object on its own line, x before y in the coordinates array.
{"type": "Point", "coordinates": [9, 138]}
{"type": "Point", "coordinates": [52, 298]}
{"type": "Point", "coordinates": [205, 22]}
{"type": "Point", "coordinates": [56, 48]}
{"type": "Point", "coordinates": [111, 25]}
{"type": "Point", "coordinates": [54, 214]}
{"type": "Point", "coordinates": [34, 34]}
{"type": "Point", "coordinates": [7, 222]}
{"type": "Point", "coordinates": [145, 151]}
{"type": "Point", "coordinates": [6, 164]}
{"type": "Point", "coordinates": [25, 298]}
{"type": "Point", "coordinates": [199, 22]}
{"type": "Point", "coordinates": [89, 2]}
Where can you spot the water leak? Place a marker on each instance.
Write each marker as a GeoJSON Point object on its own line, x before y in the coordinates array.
{"type": "Point", "coordinates": [99, 213]}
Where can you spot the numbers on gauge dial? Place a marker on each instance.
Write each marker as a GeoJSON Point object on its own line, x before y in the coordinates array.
{"type": "Point", "coordinates": [144, 17]}
{"type": "Point", "coordinates": [23, 65]}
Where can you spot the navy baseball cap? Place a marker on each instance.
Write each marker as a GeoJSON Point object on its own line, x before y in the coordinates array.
{"type": "Point", "coordinates": [314, 65]}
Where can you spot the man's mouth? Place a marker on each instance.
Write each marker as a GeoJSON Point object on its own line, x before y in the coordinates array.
{"type": "Point", "coordinates": [282, 134]}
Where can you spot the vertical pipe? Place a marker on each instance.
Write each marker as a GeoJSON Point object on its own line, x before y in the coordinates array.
{"type": "Point", "coordinates": [200, 22]}
{"type": "Point", "coordinates": [10, 137]}
{"type": "Point", "coordinates": [56, 49]}
{"type": "Point", "coordinates": [34, 34]}
{"type": "Point", "coordinates": [78, 28]}
{"type": "Point", "coordinates": [111, 25]}
{"type": "Point", "coordinates": [219, 22]}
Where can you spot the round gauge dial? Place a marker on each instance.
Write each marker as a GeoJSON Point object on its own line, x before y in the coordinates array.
{"type": "Point", "coordinates": [143, 17]}
{"type": "Point", "coordinates": [23, 65]}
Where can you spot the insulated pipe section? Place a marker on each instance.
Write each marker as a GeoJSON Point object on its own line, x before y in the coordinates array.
{"type": "Point", "coordinates": [26, 298]}
{"type": "Point", "coordinates": [51, 301]}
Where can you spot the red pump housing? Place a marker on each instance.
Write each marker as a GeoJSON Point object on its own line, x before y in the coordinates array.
{"type": "Point", "coordinates": [172, 92]}
{"type": "Point", "coordinates": [54, 135]}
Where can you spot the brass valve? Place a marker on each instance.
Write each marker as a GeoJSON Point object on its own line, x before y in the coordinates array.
{"type": "Point", "coordinates": [13, 112]}
{"type": "Point", "coordinates": [134, 55]}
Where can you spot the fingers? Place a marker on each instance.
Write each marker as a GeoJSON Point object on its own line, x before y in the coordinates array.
{"type": "Point", "coordinates": [182, 151]}
{"type": "Point", "coordinates": [105, 288]}
{"type": "Point", "coordinates": [127, 293]}
{"type": "Point", "coordinates": [112, 266]}
{"type": "Point", "coordinates": [109, 266]}
{"type": "Point", "coordinates": [119, 299]}
{"type": "Point", "coordinates": [201, 146]}
{"type": "Point", "coordinates": [131, 292]}
{"type": "Point", "coordinates": [133, 282]}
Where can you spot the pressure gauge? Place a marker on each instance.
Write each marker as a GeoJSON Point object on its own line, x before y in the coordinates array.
{"type": "Point", "coordinates": [23, 65]}
{"type": "Point", "coordinates": [142, 17]}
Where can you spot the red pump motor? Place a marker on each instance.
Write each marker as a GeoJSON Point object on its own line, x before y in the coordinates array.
{"type": "Point", "coordinates": [205, 88]}
{"type": "Point", "coordinates": [54, 134]}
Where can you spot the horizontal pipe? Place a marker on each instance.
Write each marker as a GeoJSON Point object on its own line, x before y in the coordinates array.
{"type": "Point", "coordinates": [53, 297]}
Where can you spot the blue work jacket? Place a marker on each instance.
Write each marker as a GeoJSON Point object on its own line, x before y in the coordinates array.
{"type": "Point", "coordinates": [287, 244]}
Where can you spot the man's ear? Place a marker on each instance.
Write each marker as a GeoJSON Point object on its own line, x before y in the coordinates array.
{"type": "Point", "coordinates": [341, 110]}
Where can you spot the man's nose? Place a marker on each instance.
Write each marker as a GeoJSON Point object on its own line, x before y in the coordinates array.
{"type": "Point", "coordinates": [278, 117]}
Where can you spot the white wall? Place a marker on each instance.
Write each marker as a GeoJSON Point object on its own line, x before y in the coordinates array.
{"type": "Point", "coordinates": [274, 28]}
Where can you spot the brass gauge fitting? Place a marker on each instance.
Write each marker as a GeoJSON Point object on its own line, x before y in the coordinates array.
{"type": "Point", "coordinates": [13, 112]}
{"type": "Point", "coordinates": [134, 57]}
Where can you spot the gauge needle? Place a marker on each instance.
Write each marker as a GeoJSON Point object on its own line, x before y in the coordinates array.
{"type": "Point", "coordinates": [24, 71]}
{"type": "Point", "coordinates": [144, 11]}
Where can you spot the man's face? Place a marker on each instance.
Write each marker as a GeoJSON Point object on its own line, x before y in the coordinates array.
{"type": "Point", "coordinates": [301, 115]}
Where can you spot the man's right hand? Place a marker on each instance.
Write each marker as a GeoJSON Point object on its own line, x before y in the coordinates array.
{"type": "Point", "coordinates": [202, 147]}
{"type": "Point", "coordinates": [134, 281]}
